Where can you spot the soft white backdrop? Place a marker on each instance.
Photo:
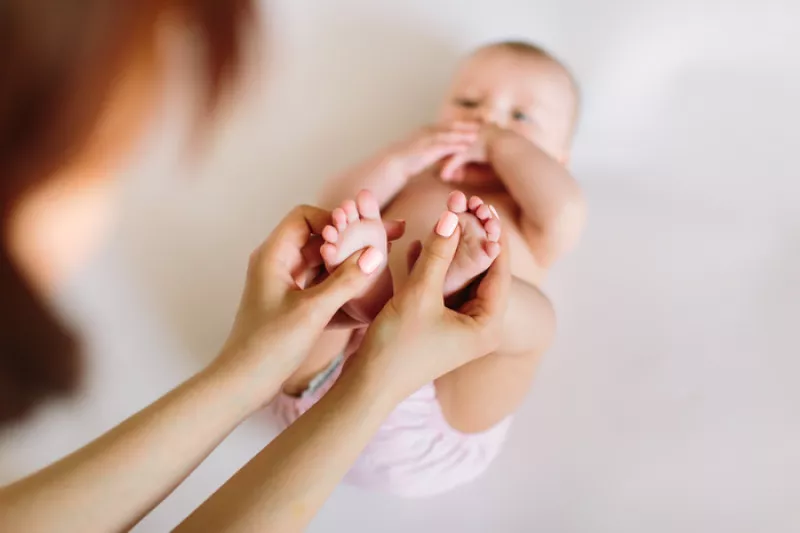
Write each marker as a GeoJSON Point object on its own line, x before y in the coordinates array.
{"type": "Point", "coordinates": [669, 402]}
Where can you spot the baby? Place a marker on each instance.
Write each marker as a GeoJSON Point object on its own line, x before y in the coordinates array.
{"type": "Point", "coordinates": [498, 152]}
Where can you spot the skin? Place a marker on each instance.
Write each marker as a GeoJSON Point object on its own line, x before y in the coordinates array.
{"type": "Point", "coordinates": [525, 93]}
{"type": "Point", "coordinates": [503, 134]}
{"type": "Point", "coordinates": [264, 497]}
{"type": "Point", "coordinates": [120, 477]}
{"type": "Point", "coordinates": [286, 306]}
{"type": "Point", "coordinates": [58, 225]}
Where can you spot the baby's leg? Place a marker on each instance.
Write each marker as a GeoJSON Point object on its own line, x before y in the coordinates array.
{"type": "Point", "coordinates": [479, 395]}
{"type": "Point", "coordinates": [356, 225]}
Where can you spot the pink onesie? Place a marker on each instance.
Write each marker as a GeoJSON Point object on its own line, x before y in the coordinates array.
{"type": "Point", "coordinates": [415, 452]}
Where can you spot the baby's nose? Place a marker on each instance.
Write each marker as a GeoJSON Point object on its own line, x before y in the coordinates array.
{"type": "Point", "coordinates": [489, 115]}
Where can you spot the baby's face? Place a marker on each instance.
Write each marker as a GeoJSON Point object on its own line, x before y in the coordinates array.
{"type": "Point", "coordinates": [527, 94]}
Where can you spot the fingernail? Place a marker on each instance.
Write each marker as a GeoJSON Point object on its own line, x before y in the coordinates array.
{"type": "Point", "coordinates": [370, 260]}
{"type": "Point", "coordinates": [494, 212]}
{"type": "Point", "coordinates": [447, 224]}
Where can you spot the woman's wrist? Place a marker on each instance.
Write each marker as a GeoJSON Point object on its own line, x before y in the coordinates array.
{"type": "Point", "coordinates": [375, 369]}
{"type": "Point", "coordinates": [250, 380]}
{"type": "Point", "coordinates": [371, 382]}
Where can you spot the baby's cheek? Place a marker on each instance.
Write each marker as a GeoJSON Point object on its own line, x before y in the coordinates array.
{"type": "Point", "coordinates": [536, 137]}
{"type": "Point", "coordinates": [525, 130]}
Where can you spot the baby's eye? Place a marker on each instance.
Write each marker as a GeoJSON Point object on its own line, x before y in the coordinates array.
{"type": "Point", "coordinates": [521, 116]}
{"type": "Point", "coordinates": [466, 103]}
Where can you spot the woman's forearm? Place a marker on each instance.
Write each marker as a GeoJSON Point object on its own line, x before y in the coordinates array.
{"type": "Point", "coordinates": [113, 482]}
{"type": "Point", "coordinates": [284, 486]}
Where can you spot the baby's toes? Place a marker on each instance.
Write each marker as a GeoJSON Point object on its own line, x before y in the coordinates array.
{"type": "Point", "coordinates": [475, 202]}
{"type": "Point", "coordinates": [368, 206]}
{"type": "Point", "coordinates": [330, 234]}
{"type": "Point", "coordinates": [492, 249]}
{"type": "Point", "coordinates": [457, 202]}
{"type": "Point", "coordinates": [351, 210]}
{"type": "Point", "coordinates": [339, 218]}
{"type": "Point", "coordinates": [484, 213]}
{"type": "Point", "coordinates": [329, 254]}
{"type": "Point", "coordinates": [493, 229]}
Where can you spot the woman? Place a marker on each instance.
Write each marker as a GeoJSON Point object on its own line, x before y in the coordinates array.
{"type": "Point", "coordinates": [68, 103]}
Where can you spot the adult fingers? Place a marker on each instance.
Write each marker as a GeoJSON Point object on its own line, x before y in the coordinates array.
{"type": "Point", "coordinates": [414, 251]}
{"type": "Point", "coordinates": [342, 320]}
{"type": "Point", "coordinates": [437, 254]}
{"type": "Point", "coordinates": [302, 221]}
{"type": "Point", "coordinates": [286, 244]}
{"type": "Point", "coordinates": [491, 295]}
{"type": "Point", "coordinates": [312, 258]}
{"type": "Point", "coordinates": [395, 229]}
{"type": "Point", "coordinates": [349, 280]}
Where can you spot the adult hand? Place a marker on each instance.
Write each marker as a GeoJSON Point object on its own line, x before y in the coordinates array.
{"type": "Point", "coordinates": [416, 338]}
{"type": "Point", "coordinates": [288, 299]}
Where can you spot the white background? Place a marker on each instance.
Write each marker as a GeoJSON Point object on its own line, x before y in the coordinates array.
{"type": "Point", "coordinates": [669, 402]}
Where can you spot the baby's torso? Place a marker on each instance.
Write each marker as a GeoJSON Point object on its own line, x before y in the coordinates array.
{"type": "Point", "coordinates": [422, 201]}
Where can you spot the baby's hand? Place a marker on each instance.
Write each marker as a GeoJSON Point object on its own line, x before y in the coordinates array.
{"type": "Point", "coordinates": [478, 152]}
{"type": "Point", "coordinates": [435, 143]}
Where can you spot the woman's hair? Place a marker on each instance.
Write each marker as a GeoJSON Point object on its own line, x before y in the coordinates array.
{"type": "Point", "coordinates": [58, 67]}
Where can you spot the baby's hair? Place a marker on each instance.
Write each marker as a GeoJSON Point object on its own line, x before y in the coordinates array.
{"type": "Point", "coordinates": [523, 47]}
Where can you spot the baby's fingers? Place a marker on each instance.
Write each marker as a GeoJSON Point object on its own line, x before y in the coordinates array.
{"type": "Point", "coordinates": [465, 126]}
{"type": "Point", "coordinates": [453, 166]}
{"type": "Point", "coordinates": [453, 138]}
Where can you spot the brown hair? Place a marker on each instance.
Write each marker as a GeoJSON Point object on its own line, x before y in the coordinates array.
{"type": "Point", "coordinates": [60, 62]}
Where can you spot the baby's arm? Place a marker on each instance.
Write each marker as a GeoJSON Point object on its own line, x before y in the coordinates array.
{"type": "Point", "coordinates": [388, 172]}
{"type": "Point", "coordinates": [552, 204]}
{"type": "Point", "coordinates": [381, 174]}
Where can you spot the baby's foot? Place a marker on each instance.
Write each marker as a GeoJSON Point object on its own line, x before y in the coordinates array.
{"type": "Point", "coordinates": [479, 246]}
{"type": "Point", "coordinates": [357, 225]}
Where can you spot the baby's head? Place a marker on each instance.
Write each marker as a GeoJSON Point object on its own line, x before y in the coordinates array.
{"type": "Point", "coordinates": [520, 87]}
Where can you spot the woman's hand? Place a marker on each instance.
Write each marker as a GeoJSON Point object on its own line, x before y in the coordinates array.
{"type": "Point", "coordinates": [416, 339]}
{"type": "Point", "coordinates": [117, 479]}
{"type": "Point", "coordinates": [288, 299]}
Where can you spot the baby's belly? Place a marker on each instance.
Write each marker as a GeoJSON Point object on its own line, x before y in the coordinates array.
{"type": "Point", "coordinates": [421, 203]}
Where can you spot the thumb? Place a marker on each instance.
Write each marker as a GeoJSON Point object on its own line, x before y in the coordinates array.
{"type": "Point", "coordinates": [348, 281]}
{"type": "Point", "coordinates": [437, 253]}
